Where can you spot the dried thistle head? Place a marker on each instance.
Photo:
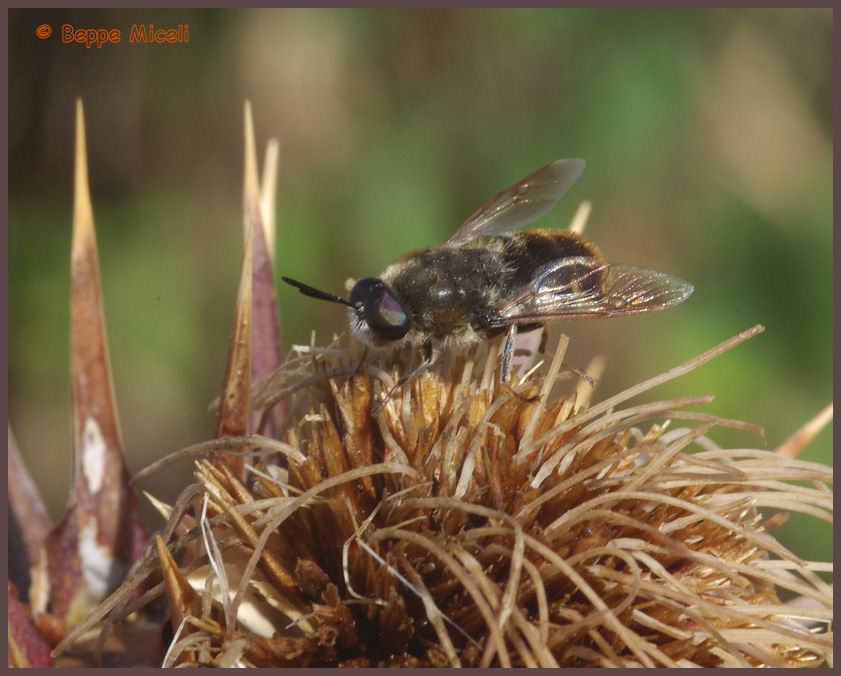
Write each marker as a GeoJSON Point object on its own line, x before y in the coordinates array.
{"type": "Point", "coordinates": [474, 524]}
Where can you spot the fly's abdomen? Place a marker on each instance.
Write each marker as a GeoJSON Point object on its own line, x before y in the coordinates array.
{"type": "Point", "coordinates": [527, 250]}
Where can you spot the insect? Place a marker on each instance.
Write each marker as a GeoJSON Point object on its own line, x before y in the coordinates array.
{"type": "Point", "coordinates": [488, 279]}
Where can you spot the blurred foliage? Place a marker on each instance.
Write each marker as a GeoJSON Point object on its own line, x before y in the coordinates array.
{"type": "Point", "coordinates": [707, 135]}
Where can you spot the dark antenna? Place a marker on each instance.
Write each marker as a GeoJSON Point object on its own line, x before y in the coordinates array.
{"type": "Point", "coordinates": [315, 293]}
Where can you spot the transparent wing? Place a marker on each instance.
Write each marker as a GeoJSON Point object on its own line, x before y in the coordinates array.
{"type": "Point", "coordinates": [578, 287]}
{"type": "Point", "coordinates": [522, 203]}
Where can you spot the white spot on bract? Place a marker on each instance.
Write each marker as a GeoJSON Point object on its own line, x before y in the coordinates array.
{"type": "Point", "coordinates": [93, 455]}
{"type": "Point", "coordinates": [39, 587]}
{"type": "Point", "coordinates": [99, 567]}
{"type": "Point", "coordinates": [526, 346]}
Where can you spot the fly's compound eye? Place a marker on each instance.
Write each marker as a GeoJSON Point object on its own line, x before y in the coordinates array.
{"type": "Point", "coordinates": [379, 308]}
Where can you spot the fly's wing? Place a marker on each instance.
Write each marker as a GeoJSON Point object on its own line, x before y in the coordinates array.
{"type": "Point", "coordinates": [522, 203]}
{"type": "Point", "coordinates": [579, 287]}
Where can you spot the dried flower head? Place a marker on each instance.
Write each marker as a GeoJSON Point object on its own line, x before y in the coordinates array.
{"type": "Point", "coordinates": [473, 524]}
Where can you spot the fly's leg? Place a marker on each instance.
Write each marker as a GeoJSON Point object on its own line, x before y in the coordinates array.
{"type": "Point", "coordinates": [361, 361]}
{"type": "Point", "coordinates": [507, 353]}
{"type": "Point", "coordinates": [427, 360]}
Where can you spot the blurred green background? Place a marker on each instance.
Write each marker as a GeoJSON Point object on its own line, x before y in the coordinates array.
{"type": "Point", "coordinates": [707, 136]}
